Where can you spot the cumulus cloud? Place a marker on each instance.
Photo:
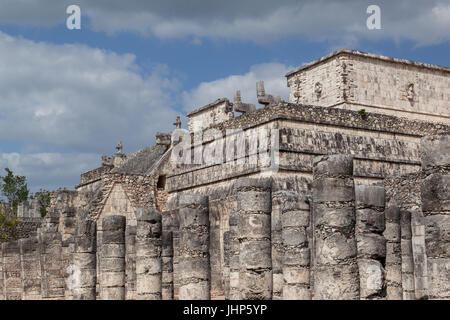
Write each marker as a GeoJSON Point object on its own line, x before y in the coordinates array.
{"type": "Point", "coordinates": [271, 73]}
{"type": "Point", "coordinates": [48, 170]}
{"type": "Point", "coordinates": [64, 95]}
{"type": "Point", "coordinates": [425, 22]}
{"type": "Point", "coordinates": [62, 106]}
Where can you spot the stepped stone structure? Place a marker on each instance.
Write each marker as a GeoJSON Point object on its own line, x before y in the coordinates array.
{"type": "Point", "coordinates": [311, 198]}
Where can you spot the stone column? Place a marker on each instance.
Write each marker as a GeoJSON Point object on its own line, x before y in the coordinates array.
{"type": "Point", "coordinates": [112, 258]}
{"type": "Point", "coordinates": [392, 234]}
{"type": "Point", "coordinates": [84, 258]}
{"type": "Point", "coordinates": [170, 225]}
{"type": "Point", "coordinates": [167, 266]}
{"type": "Point", "coordinates": [336, 270]}
{"type": "Point", "coordinates": [11, 270]}
{"type": "Point", "coordinates": [408, 285]}
{"type": "Point", "coordinates": [278, 199]}
{"type": "Point", "coordinates": [67, 227]}
{"type": "Point", "coordinates": [296, 254]}
{"type": "Point", "coordinates": [52, 271]}
{"type": "Point", "coordinates": [435, 194]}
{"type": "Point", "coordinates": [234, 291]}
{"type": "Point", "coordinates": [226, 263]}
{"type": "Point", "coordinates": [254, 205]}
{"type": "Point", "coordinates": [148, 255]}
{"type": "Point", "coordinates": [2, 286]}
{"type": "Point", "coordinates": [130, 248]}
{"type": "Point", "coordinates": [31, 268]}
{"type": "Point", "coordinates": [194, 268]}
{"type": "Point", "coordinates": [371, 244]}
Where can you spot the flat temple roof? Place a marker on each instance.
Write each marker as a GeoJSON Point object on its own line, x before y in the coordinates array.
{"type": "Point", "coordinates": [368, 55]}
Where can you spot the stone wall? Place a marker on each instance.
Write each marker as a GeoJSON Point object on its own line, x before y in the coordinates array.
{"type": "Point", "coordinates": [356, 80]}
{"type": "Point", "coordinates": [278, 236]}
{"type": "Point", "coordinates": [213, 113]}
{"type": "Point", "coordinates": [382, 145]}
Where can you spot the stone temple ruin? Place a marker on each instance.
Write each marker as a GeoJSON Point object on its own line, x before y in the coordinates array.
{"type": "Point", "coordinates": [344, 194]}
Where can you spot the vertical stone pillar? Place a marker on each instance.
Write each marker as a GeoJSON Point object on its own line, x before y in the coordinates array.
{"type": "Point", "coordinates": [234, 291]}
{"type": "Point", "coordinates": [226, 263]}
{"type": "Point", "coordinates": [148, 255]}
{"type": "Point", "coordinates": [52, 271]}
{"type": "Point", "coordinates": [112, 258]}
{"type": "Point", "coordinates": [169, 250]}
{"type": "Point", "coordinates": [67, 226]}
{"type": "Point", "coordinates": [170, 225]}
{"type": "Point", "coordinates": [2, 286]}
{"type": "Point", "coordinates": [371, 244]}
{"type": "Point", "coordinates": [167, 266]}
{"type": "Point", "coordinates": [392, 234]}
{"type": "Point", "coordinates": [130, 248]}
{"type": "Point", "coordinates": [407, 256]}
{"type": "Point", "coordinates": [296, 254]}
{"type": "Point", "coordinates": [435, 195]}
{"type": "Point", "coordinates": [336, 270]}
{"type": "Point", "coordinates": [194, 265]}
{"type": "Point", "coordinates": [12, 270]}
{"type": "Point", "coordinates": [83, 277]}
{"type": "Point", "coordinates": [31, 268]}
{"type": "Point", "coordinates": [278, 199]}
{"type": "Point", "coordinates": [254, 206]}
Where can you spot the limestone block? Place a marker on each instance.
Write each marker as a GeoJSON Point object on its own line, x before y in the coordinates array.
{"type": "Point", "coordinates": [369, 196]}
{"type": "Point", "coordinates": [339, 282]}
{"type": "Point", "coordinates": [435, 151]}
{"type": "Point", "coordinates": [371, 273]}
{"type": "Point", "coordinates": [435, 191]}
{"type": "Point", "coordinates": [369, 220]}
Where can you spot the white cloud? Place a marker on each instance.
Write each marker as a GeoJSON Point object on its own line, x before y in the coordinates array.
{"type": "Point", "coordinates": [48, 170]}
{"type": "Point", "coordinates": [63, 106]}
{"type": "Point", "coordinates": [425, 22]}
{"type": "Point", "coordinates": [65, 95]}
{"type": "Point", "coordinates": [271, 73]}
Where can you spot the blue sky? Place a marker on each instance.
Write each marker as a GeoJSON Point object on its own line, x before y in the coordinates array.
{"type": "Point", "coordinates": [68, 96]}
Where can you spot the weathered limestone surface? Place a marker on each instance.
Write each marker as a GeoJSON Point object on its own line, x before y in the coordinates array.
{"type": "Point", "coordinates": [12, 271]}
{"type": "Point", "coordinates": [233, 257]}
{"type": "Point", "coordinates": [255, 257]}
{"type": "Point", "coordinates": [194, 264]}
{"type": "Point", "coordinates": [336, 274]}
{"type": "Point", "coordinates": [130, 247]}
{"type": "Point", "coordinates": [2, 286]}
{"type": "Point", "coordinates": [52, 272]}
{"type": "Point", "coordinates": [435, 193]}
{"type": "Point", "coordinates": [167, 266]}
{"type": "Point", "coordinates": [148, 254]}
{"type": "Point", "coordinates": [31, 268]}
{"type": "Point", "coordinates": [371, 245]}
{"type": "Point", "coordinates": [112, 257]}
{"type": "Point", "coordinates": [84, 259]}
{"type": "Point", "coordinates": [296, 253]}
{"type": "Point", "coordinates": [170, 251]}
{"type": "Point", "coordinates": [392, 234]}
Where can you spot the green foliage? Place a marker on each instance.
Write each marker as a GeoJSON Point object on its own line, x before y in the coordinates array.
{"type": "Point", "coordinates": [43, 197]}
{"type": "Point", "coordinates": [14, 188]}
{"type": "Point", "coordinates": [8, 225]}
{"type": "Point", "coordinates": [362, 113]}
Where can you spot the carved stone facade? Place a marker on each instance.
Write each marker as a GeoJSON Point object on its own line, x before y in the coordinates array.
{"type": "Point", "coordinates": [322, 191]}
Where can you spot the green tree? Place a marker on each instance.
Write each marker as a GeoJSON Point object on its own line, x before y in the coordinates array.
{"type": "Point", "coordinates": [43, 197]}
{"type": "Point", "coordinates": [14, 188]}
{"type": "Point", "coordinates": [8, 224]}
